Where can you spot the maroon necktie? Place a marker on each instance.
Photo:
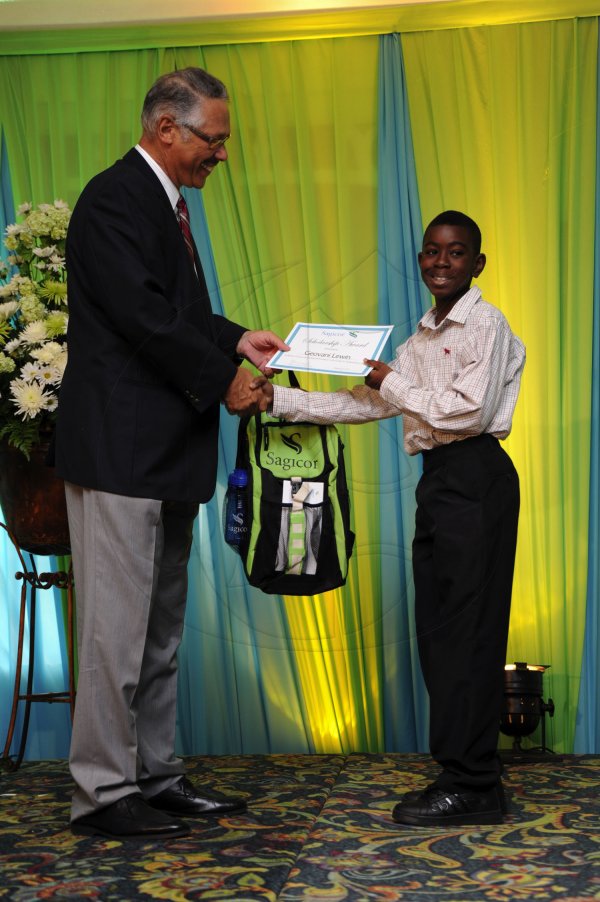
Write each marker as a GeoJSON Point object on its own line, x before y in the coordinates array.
{"type": "Point", "coordinates": [183, 217]}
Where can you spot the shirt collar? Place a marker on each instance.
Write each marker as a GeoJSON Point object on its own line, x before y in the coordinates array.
{"type": "Point", "coordinates": [459, 312]}
{"type": "Point", "coordinates": [171, 189]}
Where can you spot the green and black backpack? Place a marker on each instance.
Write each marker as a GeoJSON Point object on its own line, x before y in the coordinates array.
{"type": "Point", "coordinates": [298, 538]}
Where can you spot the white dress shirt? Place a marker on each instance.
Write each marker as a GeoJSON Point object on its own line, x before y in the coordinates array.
{"type": "Point", "coordinates": [450, 382]}
{"type": "Point", "coordinates": [171, 189]}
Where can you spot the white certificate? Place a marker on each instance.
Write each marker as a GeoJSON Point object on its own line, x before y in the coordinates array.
{"type": "Point", "coordinates": [340, 350]}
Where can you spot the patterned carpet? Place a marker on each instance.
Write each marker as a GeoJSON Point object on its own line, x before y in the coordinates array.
{"type": "Point", "coordinates": [318, 828]}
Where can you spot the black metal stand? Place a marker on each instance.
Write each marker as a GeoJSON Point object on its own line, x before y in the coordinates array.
{"type": "Point", "coordinates": [545, 707]}
{"type": "Point", "coordinates": [31, 578]}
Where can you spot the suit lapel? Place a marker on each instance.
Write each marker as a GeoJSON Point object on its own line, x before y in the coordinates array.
{"type": "Point", "coordinates": [135, 159]}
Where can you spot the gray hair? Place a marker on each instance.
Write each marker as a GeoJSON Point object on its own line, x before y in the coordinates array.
{"type": "Point", "coordinates": [178, 94]}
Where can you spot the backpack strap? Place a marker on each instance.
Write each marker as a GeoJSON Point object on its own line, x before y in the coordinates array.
{"type": "Point", "coordinates": [297, 535]}
{"type": "Point", "coordinates": [241, 460]}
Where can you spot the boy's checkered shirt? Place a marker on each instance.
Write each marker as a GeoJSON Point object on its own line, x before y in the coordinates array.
{"type": "Point", "coordinates": [449, 382]}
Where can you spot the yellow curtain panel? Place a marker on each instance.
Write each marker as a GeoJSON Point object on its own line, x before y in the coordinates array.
{"type": "Point", "coordinates": [303, 182]}
{"type": "Point", "coordinates": [503, 123]}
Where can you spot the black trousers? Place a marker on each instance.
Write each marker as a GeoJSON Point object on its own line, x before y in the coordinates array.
{"type": "Point", "coordinates": [463, 562]}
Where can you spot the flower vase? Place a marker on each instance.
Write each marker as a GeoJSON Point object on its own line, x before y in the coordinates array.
{"type": "Point", "coordinates": [33, 503]}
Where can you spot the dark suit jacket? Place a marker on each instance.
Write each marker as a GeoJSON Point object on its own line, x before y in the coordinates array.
{"type": "Point", "coordinates": [148, 360]}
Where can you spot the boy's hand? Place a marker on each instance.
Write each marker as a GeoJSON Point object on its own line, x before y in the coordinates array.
{"type": "Point", "coordinates": [377, 374]}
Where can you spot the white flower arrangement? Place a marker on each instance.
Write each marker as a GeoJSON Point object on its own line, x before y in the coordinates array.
{"type": "Point", "coordinates": [33, 323]}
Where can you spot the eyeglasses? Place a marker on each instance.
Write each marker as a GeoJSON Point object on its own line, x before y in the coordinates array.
{"type": "Point", "coordinates": [211, 141]}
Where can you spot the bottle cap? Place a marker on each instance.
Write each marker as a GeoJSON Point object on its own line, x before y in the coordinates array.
{"type": "Point", "coordinates": [238, 478]}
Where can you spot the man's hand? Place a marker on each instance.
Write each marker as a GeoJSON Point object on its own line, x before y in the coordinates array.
{"type": "Point", "coordinates": [259, 346]}
{"type": "Point", "coordinates": [241, 397]}
{"type": "Point", "coordinates": [266, 389]}
{"type": "Point", "coordinates": [377, 374]}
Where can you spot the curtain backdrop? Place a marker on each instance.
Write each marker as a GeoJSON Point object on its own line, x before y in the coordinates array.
{"type": "Point", "coordinates": [587, 735]}
{"type": "Point", "coordinates": [305, 150]}
{"type": "Point", "coordinates": [239, 686]}
{"type": "Point", "coordinates": [403, 299]}
{"type": "Point", "coordinates": [415, 16]}
{"type": "Point", "coordinates": [342, 149]}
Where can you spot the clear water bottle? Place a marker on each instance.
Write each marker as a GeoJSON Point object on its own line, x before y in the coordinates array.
{"type": "Point", "coordinates": [235, 525]}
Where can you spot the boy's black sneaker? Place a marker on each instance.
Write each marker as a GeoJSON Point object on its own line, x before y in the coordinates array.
{"type": "Point", "coordinates": [414, 794]}
{"type": "Point", "coordinates": [436, 807]}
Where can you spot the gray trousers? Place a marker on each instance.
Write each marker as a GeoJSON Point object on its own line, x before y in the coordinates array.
{"type": "Point", "coordinates": [130, 558]}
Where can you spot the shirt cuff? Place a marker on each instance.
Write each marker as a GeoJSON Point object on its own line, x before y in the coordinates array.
{"type": "Point", "coordinates": [283, 401]}
{"type": "Point", "coordinates": [394, 388]}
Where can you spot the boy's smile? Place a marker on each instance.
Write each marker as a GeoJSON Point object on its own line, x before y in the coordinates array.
{"type": "Point", "coordinates": [449, 261]}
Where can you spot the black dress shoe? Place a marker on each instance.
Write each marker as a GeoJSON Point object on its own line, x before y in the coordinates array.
{"type": "Point", "coordinates": [414, 794]}
{"type": "Point", "coordinates": [437, 808]}
{"type": "Point", "coordinates": [129, 818]}
{"type": "Point", "coordinates": [183, 799]}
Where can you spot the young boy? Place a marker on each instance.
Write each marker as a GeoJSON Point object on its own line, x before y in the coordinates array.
{"type": "Point", "coordinates": [456, 382]}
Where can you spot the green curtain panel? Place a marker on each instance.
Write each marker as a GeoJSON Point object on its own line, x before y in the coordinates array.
{"type": "Point", "coordinates": [587, 734]}
{"type": "Point", "coordinates": [302, 179]}
{"type": "Point", "coordinates": [503, 121]}
{"type": "Point", "coordinates": [376, 20]}
{"type": "Point", "coordinates": [239, 687]}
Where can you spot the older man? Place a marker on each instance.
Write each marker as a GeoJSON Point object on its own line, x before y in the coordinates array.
{"type": "Point", "coordinates": [149, 364]}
